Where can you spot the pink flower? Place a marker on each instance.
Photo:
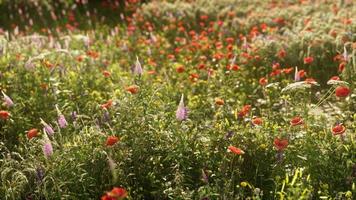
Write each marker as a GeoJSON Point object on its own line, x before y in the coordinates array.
{"type": "Point", "coordinates": [8, 100]}
{"type": "Point", "coordinates": [47, 128]}
{"type": "Point", "coordinates": [296, 75]}
{"type": "Point", "coordinates": [138, 67]}
{"type": "Point", "coordinates": [62, 121]}
{"type": "Point", "coordinates": [47, 149]}
{"type": "Point", "coordinates": [182, 111]}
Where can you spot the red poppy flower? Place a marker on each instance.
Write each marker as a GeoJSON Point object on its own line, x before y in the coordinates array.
{"type": "Point", "coordinates": [111, 140]}
{"type": "Point", "coordinates": [133, 89]}
{"type": "Point", "coordinates": [117, 193]}
{"type": "Point", "coordinates": [194, 77]}
{"type": "Point", "coordinates": [204, 17]}
{"type": "Point", "coordinates": [92, 54]}
{"type": "Point", "coordinates": [282, 53]}
{"type": "Point", "coordinates": [333, 33]}
{"type": "Point", "coordinates": [308, 60]}
{"type": "Point", "coordinates": [180, 69]}
{"type": "Point", "coordinates": [335, 78]}
{"type": "Point", "coordinates": [279, 20]}
{"type": "Point", "coordinates": [236, 150]}
{"type": "Point", "coordinates": [280, 144]}
{"type": "Point", "coordinates": [201, 66]}
{"type": "Point", "coordinates": [287, 70]}
{"type": "Point", "coordinates": [338, 129]}
{"type": "Point", "coordinates": [219, 101]}
{"type": "Point", "coordinates": [106, 74]}
{"type": "Point", "coordinates": [296, 121]}
{"type": "Point", "coordinates": [171, 56]}
{"type": "Point", "coordinates": [32, 133]}
{"type": "Point", "coordinates": [263, 81]}
{"type": "Point", "coordinates": [229, 40]}
{"type": "Point", "coordinates": [235, 67]}
{"type": "Point", "coordinates": [276, 66]}
{"type": "Point", "coordinates": [264, 27]}
{"type": "Point", "coordinates": [245, 110]}
{"type": "Point", "coordinates": [301, 73]}
{"type": "Point", "coordinates": [80, 58]}
{"type": "Point", "coordinates": [4, 114]}
{"type": "Point", "coordinates": [275, 72]}
{"type": "Point", "coordinates": [107, 105]}
{"type": "Point", "coordinates": [342, 91]}
{"type": "Point", "coordinates": [257, 121]}
{"type": "Point", "coordinates": [310, 81]}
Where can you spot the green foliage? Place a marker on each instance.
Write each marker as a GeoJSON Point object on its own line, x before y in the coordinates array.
{"type": "Point", "coordinates": [76, 73]}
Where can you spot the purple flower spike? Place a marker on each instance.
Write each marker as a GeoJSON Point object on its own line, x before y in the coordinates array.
{"type": "Point", "coordinates": [296, 75]}
{"type": "Point", "coordinates": [346, 57]}
{"type": "Point", "coordinates": [138, 67]}
{"type": "Point", "coordinates": [8, 100]}
{"type": "Point", "coordinates": [47, 128]}
{"type": "Point", "coordinates": [47, 149]}
{"type": "Point", "coordinates": [62, 121]}
{"type": "Point", "coordinates": [182, 111]}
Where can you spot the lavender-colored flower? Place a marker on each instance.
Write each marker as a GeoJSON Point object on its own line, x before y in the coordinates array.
{"type": "Point", "coordinates": [8, 100]}
{"type": "Point", "coordinates": [182, 111]}
{"type": "Point", "coordinates": [345, 55]}
{"type": "Point", "coordinates": [47, 128]}
{"type": "Point", "coordinates": [62, 121]}
{"type": "Point", "coordinates": [47, 148]}
{"type": "Point", "coordinates": [138, 67]}
{"type": "Point", "coordinates": [296, 75]}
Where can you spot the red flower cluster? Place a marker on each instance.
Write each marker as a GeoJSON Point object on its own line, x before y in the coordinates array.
{"type": "Point", "coordinates": [117, 193]}
{"type": "Point", "coordinates": [107, 105]}
{"type": "Point", "coordinates": [244, 111]}
{"type": "Point", "coordinates": [236, 150]}
{"type": "Point", "coordinates": [338, 129]}
{"type": "Point", "coordinates": [280, 144]}
{"type": "Point", "coordinates": [263, 81]}
{"type": "Point", "coordinates": [133, 89]}
{"type": "Point", "coordinates": [296, 121]}
{"type": "Point", "coordinates": [308, 60]}
{"type": "Point", "coordinates": [111, 140]}
{"type": "Point", "coordinates": [257, 121]}
{"type": "Point", "coordinates": [32, 133]}
{"type": "Point", "coordinates": [342, 91]}
{"type": "Point", "coordinates": [4, 114]}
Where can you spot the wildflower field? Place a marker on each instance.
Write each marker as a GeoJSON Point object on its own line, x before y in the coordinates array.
{"type": "Point", "coordinates": [186, 99]}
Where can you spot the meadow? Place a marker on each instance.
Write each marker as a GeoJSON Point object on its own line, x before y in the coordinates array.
{"type": "Point", "coordinates": [189, 99]}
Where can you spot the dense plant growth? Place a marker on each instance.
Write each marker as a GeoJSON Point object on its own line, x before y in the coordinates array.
{"type": "Point", "coordinates": [205, 99]}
